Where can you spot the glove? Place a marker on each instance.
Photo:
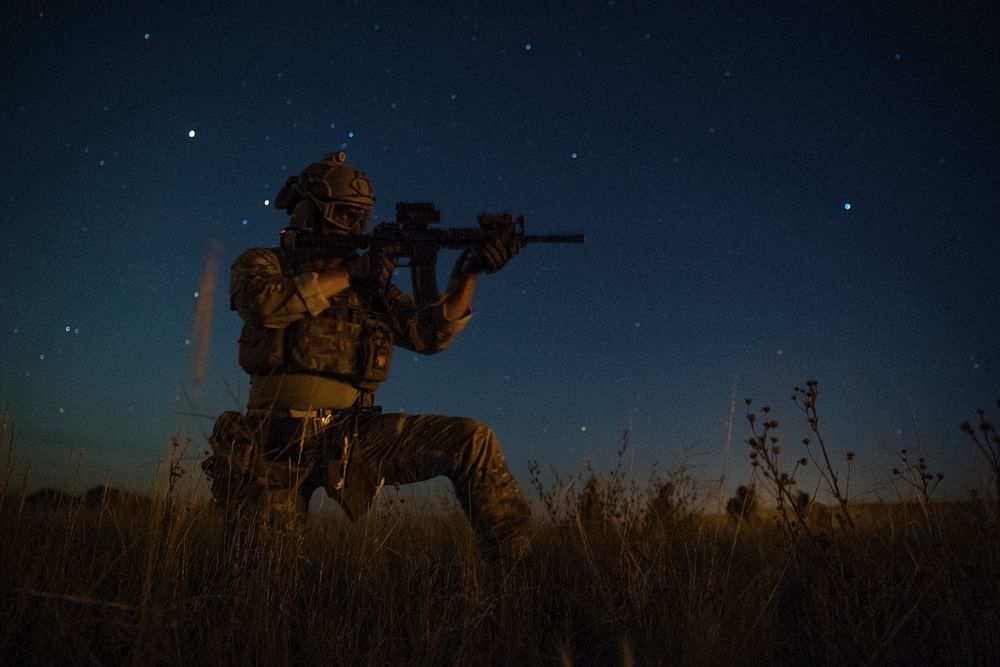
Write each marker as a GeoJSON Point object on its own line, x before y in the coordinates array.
{"type": "Point", "coordinates": [491, 256]}
{"type": "Point", "coordinates": [372, 270]}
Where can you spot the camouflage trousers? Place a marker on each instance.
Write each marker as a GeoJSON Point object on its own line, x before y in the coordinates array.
{"type": "Point", "coordinates": [265, 469]}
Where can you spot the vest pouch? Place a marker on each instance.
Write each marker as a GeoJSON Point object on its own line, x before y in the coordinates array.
{"type": "Point", "coordinates": [261, 349]}
{"type": "Point", "coordinates": [326, 344]}
{"type": "Point", "coordinates": [376, 346]}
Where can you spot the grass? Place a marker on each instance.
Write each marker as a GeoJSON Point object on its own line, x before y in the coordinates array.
{"type": "Point", "coordinates": [621, 573]}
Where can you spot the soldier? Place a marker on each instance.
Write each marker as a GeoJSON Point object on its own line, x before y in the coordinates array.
{"type": "Point", "coordinates": [317, 340]}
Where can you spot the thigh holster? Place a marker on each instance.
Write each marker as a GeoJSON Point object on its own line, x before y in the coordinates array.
{"type": "Point", "coordinates": [231, 467]}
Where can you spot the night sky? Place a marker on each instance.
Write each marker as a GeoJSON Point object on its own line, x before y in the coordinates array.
{"type": "Point", "coordinates": [768, 194]}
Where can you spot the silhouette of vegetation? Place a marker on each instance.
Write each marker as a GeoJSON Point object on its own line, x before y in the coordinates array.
{"type": "Point", "coordinates": [987, 441]}
{"type": "Point", "coordinates": [743, 506]}
{"type": "Point", "coordinates": [622, 573]}
{"type": "Point", "coordinates": [917, 475]}
{"type": "Point", "coordinates": [98, 497]}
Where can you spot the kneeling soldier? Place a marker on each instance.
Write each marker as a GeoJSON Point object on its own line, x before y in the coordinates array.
{"type": "Point", "coordinates": [317, 340]}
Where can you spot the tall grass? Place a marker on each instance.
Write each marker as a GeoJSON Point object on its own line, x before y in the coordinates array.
{"type": "Point", "coordinates": [621, 573]}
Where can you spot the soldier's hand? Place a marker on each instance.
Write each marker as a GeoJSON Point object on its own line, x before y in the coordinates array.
{"type": "Point", "coordinates": [375, 267]}
{"type": "Point", "coordinates": [382, 263]}
{"type": "Point", "coordinates": [357, 268]}
{"type": "Point", "coordinates": [492, 256]}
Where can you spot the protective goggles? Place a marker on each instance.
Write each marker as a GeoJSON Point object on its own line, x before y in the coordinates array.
{"type": "Point", "coordinates": [342, 216]}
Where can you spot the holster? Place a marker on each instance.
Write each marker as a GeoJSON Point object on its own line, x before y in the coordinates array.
{"type": "Point", "coordinates": [351, 480]}
{"type": "Point", "coordinates": [354, 486]}
{"type": "Point", "coordinates": [231, 467]}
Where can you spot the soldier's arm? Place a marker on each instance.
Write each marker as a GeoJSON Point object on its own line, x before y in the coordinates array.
{"type": "Point", "coordinates": [458, 297]}
{"type": "Point", "coordinates": [265, 297]}
{"type": "Point", "coordinates": [490, 258]}
{"type": "Point", "coordinates": [431, 328]}
{"type": "Point", "coordinates": [425, 329]}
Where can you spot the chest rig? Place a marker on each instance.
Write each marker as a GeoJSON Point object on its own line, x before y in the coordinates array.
{"type": "Point", "coordinates": [347, 341]}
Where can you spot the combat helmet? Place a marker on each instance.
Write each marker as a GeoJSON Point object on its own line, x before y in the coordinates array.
{"type": "Point", "coordinates": [333, 186]}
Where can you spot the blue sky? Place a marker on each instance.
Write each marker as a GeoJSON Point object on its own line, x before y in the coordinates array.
{"type": "Point", "coordinates": [708, 152]}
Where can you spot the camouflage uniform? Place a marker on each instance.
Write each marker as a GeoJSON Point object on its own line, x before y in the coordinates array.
{"type": "Point", "coordinates": [303, 430]}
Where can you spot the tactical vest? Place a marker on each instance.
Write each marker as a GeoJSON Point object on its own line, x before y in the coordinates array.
{"type": "Point", "coordinates": [346, 342]}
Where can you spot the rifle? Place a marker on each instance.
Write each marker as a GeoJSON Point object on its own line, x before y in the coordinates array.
{"type": "Point", "coordinates": [418, 241]}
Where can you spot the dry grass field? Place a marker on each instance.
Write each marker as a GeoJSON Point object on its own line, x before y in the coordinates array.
{"type": "Point", "coordinates": [619, 575]}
